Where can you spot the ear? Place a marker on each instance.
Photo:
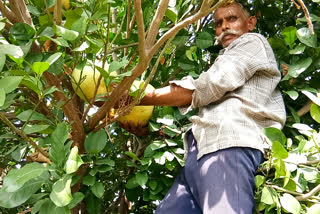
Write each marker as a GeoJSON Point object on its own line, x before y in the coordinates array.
{"type": "Point", "coordinates": [252, 21]}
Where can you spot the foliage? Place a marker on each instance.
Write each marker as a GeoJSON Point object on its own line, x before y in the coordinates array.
{"type": "Point", "coordinates": [53, 160]}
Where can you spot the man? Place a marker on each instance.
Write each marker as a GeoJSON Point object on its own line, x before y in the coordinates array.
{"type": "Point", "coordinates": [237, 98]}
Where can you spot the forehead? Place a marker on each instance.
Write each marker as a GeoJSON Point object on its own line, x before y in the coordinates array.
{"type": "Point", "coordinates": [229, 10]}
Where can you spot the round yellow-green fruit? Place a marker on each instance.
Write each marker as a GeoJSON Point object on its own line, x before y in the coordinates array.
{"type": "Point", "coordinates": [139, 115]}
{"type": "Point", "coordinates": [84, 82]}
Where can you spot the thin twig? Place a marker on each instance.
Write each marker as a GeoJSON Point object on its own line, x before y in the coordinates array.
{"type": "Point", "coordinates": [23, 135]}
{"type": "Point", "coordinates": [26, 211]}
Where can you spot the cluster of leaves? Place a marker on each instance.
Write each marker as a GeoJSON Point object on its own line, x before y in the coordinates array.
{"type": "Point", "coordinates": [112, 166]}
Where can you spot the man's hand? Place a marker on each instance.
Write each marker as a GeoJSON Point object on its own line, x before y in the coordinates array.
{"type": "Point", "coordinates": [137, 130]}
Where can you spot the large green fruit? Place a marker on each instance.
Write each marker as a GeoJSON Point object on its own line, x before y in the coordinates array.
{"type": "Point", "coordinates": [139, 115]}
{"type": "Point", "coordinates": [87, 80]}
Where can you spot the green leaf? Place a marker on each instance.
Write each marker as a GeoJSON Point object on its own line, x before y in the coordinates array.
{"type": "Point", "coordinates": [12, 50]}
{"type": "Point", "coordinates": [305, 36]}
{"type": "Point", "coordinates": [275, 134]}
{"type": "Point", "coordinates": [278, 151]}
{"type": "Point", "coordinates": [313, 17]}
{"type": "Point", "coordinates": [314, 209]}
{"type": "Point", "coordinates": [153, 184]}
{"type": "Point", "coordinates": [22, 31]}
{"type": "Point", "coordinates": [142, 178]}
{"type": "Point", "coordinates": [296, 69]}
{"type": "Point", "coordinates": [74, 161]}
{"type": "Point", "coordinates": [293, 94]}
{"type": "Point", "coordinates": [76, 199]}
{"type": "Point", "coordinates": [172, 132]}
{"type": "Point", "coordinates": [315, 112]}
{"type": "Point", "coordinates": [95, 141]}
{"type": "Point", "coordinates": [153, 127]}
{"type": "Point", "coordinates": [171, 13]}
{"type": "Point", "coordinates": [132, 155]}
{"type": "Point", "coordinates": [280, 168]}
{"type": "Point", "coordinates": [40, 67]}
{"type": "Point", "coordinates": [16, 178]}
{"type": "Point", "coordinates": [116, 65]}
{"type": "Point", "coordinates": [105, 161]}
{"type": "Point", "coordinates": [312, 97]}
{"type": "Point", "coordinates": [290, 203]}
{"type": "Point", "coordinates": [2, 96]}
{"type": "Point", "coordinates": [97, 189]}
{"type": "Point", "coordinates": [132, 183]}
{"type": "Point", "coordinates": [2, 25]}
{"type": "Point", "coordinates": [31, 115]}
{"type": "Point", "coordinates": [61, 192]}
{"type": "Point", "coordinates": [89, 180]}
{"type": "Point", "coordinates": [155, 145]}
{"type": "Point", "coordinates": [289, 35]}
{"type": "Point", "coordinates": [14, 199]}
{"type": "Point", "coordinates": [204, 40]}
{"type": "Point", "coordinates": [166, 119]}
{"type": "Point", "coordinates": [53, 58]}
{"type": "Point", "coordinates": [58, 138]}
{"type": "Point", "coordinates": [10, 83]}
{"type": "Point", "coordinates": [268, 196]}
{"type": "Point", "coordinates": [48, 207]}
{"type": "Point", "coordinates": [29, 129]}
{"type": "Point", "coordinates": [259, 180]}
{"type": "Point", "coordinates": [2, 61]}
{"type": "Point", "coordinates": [66, 34]}
{"type": "Point", "coordinates": [299, 49]}
{"type": "Point", "coordinates": [50, 90]}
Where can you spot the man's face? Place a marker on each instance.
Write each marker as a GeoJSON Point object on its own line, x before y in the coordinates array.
{"type": "Point", "coordinates": [231, 22]}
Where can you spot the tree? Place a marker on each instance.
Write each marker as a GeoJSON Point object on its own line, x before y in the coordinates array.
{"type": "Point", "coordinates": [61, 154]}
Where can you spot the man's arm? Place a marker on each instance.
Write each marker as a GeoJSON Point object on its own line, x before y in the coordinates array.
{"type": "Point", "coordinates": [172, 95]}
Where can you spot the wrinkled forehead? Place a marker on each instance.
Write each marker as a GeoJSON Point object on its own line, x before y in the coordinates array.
{"type": "Point", "coordinates": [230, 10]}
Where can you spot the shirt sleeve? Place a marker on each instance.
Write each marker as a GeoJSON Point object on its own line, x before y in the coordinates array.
{"type": "Point", "coordinates": [231, 70]}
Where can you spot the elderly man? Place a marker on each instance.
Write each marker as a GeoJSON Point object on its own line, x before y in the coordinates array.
{"type": "Point", "coordinates": [237, 97]}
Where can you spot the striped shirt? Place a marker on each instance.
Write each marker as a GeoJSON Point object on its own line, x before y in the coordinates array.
{"type": "Point", "coordinates": [237, 97]}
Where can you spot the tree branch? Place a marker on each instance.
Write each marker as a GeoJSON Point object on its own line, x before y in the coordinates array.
{"type": "Point", "coordinates": [305, 109]}
{"type": "Point", "coordinates": [306, 12]}
{"type": "Point", "coordinates": [204, 11]}
{"type": "Point", "coordinates": [141, 32]}
{"type": "Point", "coordinates": [155, 24]}
{"type": "Point", "coordinates": [58, 12]}
{"type": "Point", "coordinates": [309, 194]}
{"type": "Point", "coordinates": [24, 136]}
{"type": "Point", "coordinates": [70, 110]}
{"type": "Point", "coordinates": [8, 13]}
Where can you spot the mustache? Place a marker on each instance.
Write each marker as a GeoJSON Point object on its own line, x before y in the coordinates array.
{"type": "Point", "coordinates": [225, 33]}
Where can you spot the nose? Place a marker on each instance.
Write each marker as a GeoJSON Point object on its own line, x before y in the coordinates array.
{"type": "Point", "coordinates": [225, 26]}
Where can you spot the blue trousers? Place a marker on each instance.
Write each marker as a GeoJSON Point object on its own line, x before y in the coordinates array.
{"type": "Point", "coordinates": [221, 182]}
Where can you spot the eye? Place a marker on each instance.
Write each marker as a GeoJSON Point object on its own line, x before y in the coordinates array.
{"type": "Point", "coordinates": [218, 24]}
{"type": "Point", "coordinates": [232, 18]}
